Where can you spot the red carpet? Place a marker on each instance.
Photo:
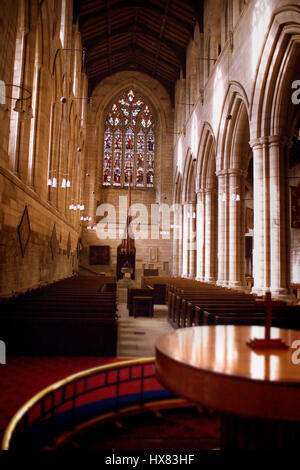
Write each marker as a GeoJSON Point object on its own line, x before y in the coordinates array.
{"type": "Point", "coordinates": [23, 377]}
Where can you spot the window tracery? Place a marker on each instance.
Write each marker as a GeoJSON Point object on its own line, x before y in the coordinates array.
{"type": "Point", "coordinates": [129, 143]}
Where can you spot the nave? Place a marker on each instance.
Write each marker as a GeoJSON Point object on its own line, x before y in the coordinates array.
{"type": "Point", "coordinates": [137, 336]}
{"type": "Point", "coordinates": [139, 139]}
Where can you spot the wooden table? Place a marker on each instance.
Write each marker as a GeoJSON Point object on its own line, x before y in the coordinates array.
{"type": "Point", "coordinates": [256, 392]}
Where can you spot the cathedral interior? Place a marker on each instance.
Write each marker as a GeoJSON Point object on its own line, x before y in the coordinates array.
{"type": "Point", "coordinates": [147, 143]}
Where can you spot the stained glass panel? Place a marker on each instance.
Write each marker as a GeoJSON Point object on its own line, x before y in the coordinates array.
{"type": "Point", "coordinates": [117, 158]}
{"type": "Point", "coordinates": [150, 178]}
{"type": "Point", "coordinates": [129, 156]}
{"type": "Point", "coordinates": [140, 148]}
{"type": "Point", "coordinates": [108, 140]}
{"type": "Point", "coordinates": [131, 95]}
{"type": "Point", "coordinates": [107, 168]}
{"type": "Point", "coordinates": [150, 159]}
{"type": "Point", "coordinates": [129, 143]}
{"type": "Point", "coordinates": [150, 142]}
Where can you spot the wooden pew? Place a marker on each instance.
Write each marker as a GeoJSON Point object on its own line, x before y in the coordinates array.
{"type": "Point", "coordinates": [71, 317]}
{"type": "Point", "coordinates": [59, 336]}
{"type": "Point", "coordinates": [181, 300]}
{"type": "Point", "coordinates": [278, 313]}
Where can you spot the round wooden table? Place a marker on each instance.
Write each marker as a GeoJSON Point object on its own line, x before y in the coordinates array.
{"type": "Point", "coordinates": [257, 392]}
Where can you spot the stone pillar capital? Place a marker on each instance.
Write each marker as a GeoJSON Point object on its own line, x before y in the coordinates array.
{"type": "Point", "coordinates": [210, 190]}
{"type": "Point", "coordinates": [278, 140]}
{"type": "Point", "coordinates": [237, 172]}
{"type": "Point", "coordinates": [254, 143]}
{"type": "Point", "coordinates": [273, 140]}
{"type": "Point", "coordinates": [221, 173]}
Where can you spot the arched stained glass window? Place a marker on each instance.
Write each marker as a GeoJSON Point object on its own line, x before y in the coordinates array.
{"type": "Point", "coordinates": [129, 143]}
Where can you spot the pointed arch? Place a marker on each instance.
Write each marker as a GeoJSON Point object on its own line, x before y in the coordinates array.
{"type": "Point", "coordinates": [207, 210]}
{"type": "Point", "coordinates": [45, 34]}
{"type": "Point", "coordinates": [273, 117]}
{"type": "Point", "coordinates": [177, 194]}
{"type": "Point", "coordinates": [234, 119]}
{"type": "Point", "coordinates": [206, 159]}
{"type": "Point", "coordinates": [272, 84]}
{"type": "Point", "coordinates": [189, 178]}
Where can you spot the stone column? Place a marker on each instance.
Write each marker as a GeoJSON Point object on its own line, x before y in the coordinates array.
{"type": "Point", "coordinates": [236, 228]}
{"type": "Point", "coordinates": [175, 263]}
{"type": "Point", "coordinates": [200, 235]}
{"type": "Point", "coordinates": [222, 228]}
{"type": "Point", "coordinates": [33, 179]}
{"type": "Point", "coordinates": [261, 260]}
{"type": "Point", "coordinates": [185, 241]}
{"type": "Point", "coordinates": [177, 241]}
{"type": "Point", "coordinates": [278, 238]}
{"type": "Point", "coordinates": [209, 235]}
{"type": "Point", "coordinates": [18, 78]}
{"type": "Point", "coordinates": [192, 241]}
{"type": "Point", "coordinates": [180, 241]}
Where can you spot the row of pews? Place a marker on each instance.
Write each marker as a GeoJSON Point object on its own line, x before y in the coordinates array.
{"type": "Point", "coordinates": [74, 317]}
{"type": "Point", "coordinates": [193, 303]}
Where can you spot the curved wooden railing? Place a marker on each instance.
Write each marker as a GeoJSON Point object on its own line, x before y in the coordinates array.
{"type": "Point", "coordinates": [65, 404]}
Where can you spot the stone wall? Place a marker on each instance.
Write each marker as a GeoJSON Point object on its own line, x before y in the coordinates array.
{"type": "Point", "coordinates": [39, 136]}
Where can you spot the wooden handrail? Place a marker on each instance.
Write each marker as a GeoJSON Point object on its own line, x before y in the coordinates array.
{"type": "Point", "coordinates": [22, 413]}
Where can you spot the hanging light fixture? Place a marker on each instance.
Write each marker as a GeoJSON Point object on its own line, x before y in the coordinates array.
{"type": "Point", "coordinates": [18, 106]}
{"type": "Point", "coordinates": [24, 96]}
{"type": "Point", "coordinates": [49, 182]}
{"type": "Point", "coordinates": [64, 183]}
{"type": "Point", "coordinates": [54, 182]}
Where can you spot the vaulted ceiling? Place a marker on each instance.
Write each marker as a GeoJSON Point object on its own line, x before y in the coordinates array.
{"type": "Point", "coordinates": [150, 36]}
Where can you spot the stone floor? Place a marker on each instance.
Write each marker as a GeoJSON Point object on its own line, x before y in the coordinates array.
{"type": "Point", "coordinates": [137, 336]}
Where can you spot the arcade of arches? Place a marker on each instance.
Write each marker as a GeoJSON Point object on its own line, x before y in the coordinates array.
{"type": "Point", "coordinates": [223, 144]}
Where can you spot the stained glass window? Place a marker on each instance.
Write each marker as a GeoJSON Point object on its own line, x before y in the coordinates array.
{"type": "Point", "coordinates": [129, 143]}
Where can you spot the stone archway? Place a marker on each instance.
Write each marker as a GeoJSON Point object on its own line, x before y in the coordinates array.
{"type": "Point", "coordinates": [177, 228]}
{"type": "Point", "coordinates": [207, 208]}
{"type": "Point", "coordinates": [273, 124]}
{"type": "Point", "coordinates": [233, 151]}
{"type": "Point", "coordinates": [189, 218]}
